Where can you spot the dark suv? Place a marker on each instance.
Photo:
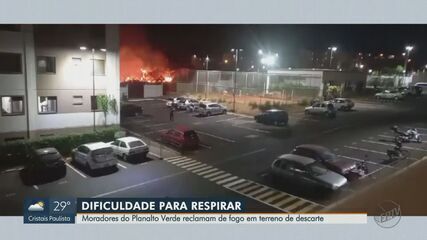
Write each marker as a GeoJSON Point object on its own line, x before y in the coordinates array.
{"type": "Point", "coordinates": [45, 165]}
{"type": "Point", "coordinates": [181, 137]}
{"type": "Point", "coordinates": [273, 116]}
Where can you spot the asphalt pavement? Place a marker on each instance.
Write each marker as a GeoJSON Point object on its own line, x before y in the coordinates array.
{"type": "Point", "coordinates": [235, 156]}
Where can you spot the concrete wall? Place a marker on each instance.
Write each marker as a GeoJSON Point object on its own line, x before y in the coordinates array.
{"type": "Point", "coordinates": [12, 84]}
{"type": "Point", "coordinates": [153, 91]}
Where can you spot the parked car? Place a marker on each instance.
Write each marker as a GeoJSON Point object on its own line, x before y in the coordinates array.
{"type": "Point", "coordinates": [187, 103]}
{"type": "Point", "coordinates": [45, 165]}
{"type": "Point", "coordinates": [93, 156]}
{"type": "Point", "coordinates": [342, 104]}
{"type": "Point", "coordinates": [306, 171]}
{"type": "Point", "coordinates": [390, 94]}
{"type": "Point", "coordinates": [15, 153]}
{"type": "Point", "coordinates": [129, 148]}
{"type": "Point", "coordinates": [324, 156]}
{"type": "Point", "coordinates": [208, 109]}
{"type": "Point", "coordinates": [321, 108]}
{"type": "Point", "coordinates": [273, 116]}
{"type": "Point", "coordinates": [181, 137]}
{"type": "Point", "coordinates": [172, 102]}
{"type": "Point", "coordinates": [131, 110]}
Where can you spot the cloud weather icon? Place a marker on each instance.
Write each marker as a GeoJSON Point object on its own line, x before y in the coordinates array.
{"type": "Point", "coordinates": [36, 207]}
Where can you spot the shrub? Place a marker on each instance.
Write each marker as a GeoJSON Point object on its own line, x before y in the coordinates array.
{"type": "Point", "coordinates": [64, 144]}
{"type": "Point", "coordinates": [253, 105]}
{"type": "Point", "coordinates": [303, 102]}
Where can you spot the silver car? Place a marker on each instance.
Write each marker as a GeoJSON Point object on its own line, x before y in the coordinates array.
{"type": "Point", "coordinates": [94, 155]}
{"type": "Point", "coordinates": [306, 171]}
{"type": "Point", "coordinates": [387, 94]}
{"type": "Point", "coordinates": [208, 109]}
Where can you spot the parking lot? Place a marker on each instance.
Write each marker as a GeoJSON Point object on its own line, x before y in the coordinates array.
{"type": "Point", "coordinates": [234, 158]}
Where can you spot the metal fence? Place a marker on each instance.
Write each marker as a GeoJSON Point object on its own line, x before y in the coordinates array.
{"type": "Point", "coordinates": [204, 84]}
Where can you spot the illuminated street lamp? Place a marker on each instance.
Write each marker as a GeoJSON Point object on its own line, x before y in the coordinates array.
{"type": "Point", "coordinates": [93, 99]}
{"type": "Point", "coordinates": [207, 76]}
{"type": "Point", "coordinates": [408, 49]}
{"type": "Point", "coordinates": [332, 49]}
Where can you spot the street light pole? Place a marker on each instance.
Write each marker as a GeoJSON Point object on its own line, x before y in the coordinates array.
{"type": "Point", "coordinates": [93, 86]}
{"type": "Point", "coordinates": [408, 50]}
{"type": "Point", "coordinates": [236, 54]}
{"type": "Point", "coordinates": [332, 49]}
{"type": "Point", "coordinates": [207, 76]}
{"type": "Point", "coordinates": [93, 98]}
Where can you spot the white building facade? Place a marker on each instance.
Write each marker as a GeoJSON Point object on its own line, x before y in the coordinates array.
{"type": "Point", "coordinates": [47, 74]}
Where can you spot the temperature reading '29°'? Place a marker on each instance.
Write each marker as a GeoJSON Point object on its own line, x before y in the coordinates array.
{"type": "Point", "coordinates": [60, 205]}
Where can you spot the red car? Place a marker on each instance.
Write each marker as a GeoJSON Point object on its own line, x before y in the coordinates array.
{"type": "Point", "coordinates": [181, 137]}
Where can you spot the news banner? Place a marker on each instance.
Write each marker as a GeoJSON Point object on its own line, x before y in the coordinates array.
{"type": "Point", "coordinates": [166, 211]}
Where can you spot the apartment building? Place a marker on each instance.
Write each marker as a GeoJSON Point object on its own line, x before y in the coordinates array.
{"type": "Point", "coordinates": [48, 74]}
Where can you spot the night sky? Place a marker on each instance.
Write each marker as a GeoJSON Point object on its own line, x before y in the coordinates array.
{"type": "Point", "coordinates": [179, 42]}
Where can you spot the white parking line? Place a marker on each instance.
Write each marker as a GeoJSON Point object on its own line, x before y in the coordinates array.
{"type": "Point", "coordinates": [139, 184]}
{"type": "Point", "coordinates": [228, 119]}
{"type": "Point", "coordinates": [243, 155]}
{"type": "Point", "coordinates": [366, 175]}
{"type": "Point", "coordinates": [36, 187]}
{"type": "Point", "coordinates": [217, 137]}
{"type": "Point", "coordinates": [373, 151]}
{"type": "Point", "coordinates": [239, 114]}
{"type": "Point", "coordinates": [156, 125]}
{"type": "Point", "coordinates": [12, 170]}
{"type": "Point", "coordinates": [205, 146]}
{"type": "Point", "coordinates": [365, 150]}
{"type": "Point", "coordinates": [121, 165]}
{"type": "Point", "coordinates": [392, 137]}
{"type": "Point", "coordinates": [75, 170]}
{"type": "Point", "coordinates": [304, 119]}
{"type": "Point", "coordinates": [10, 195]}
{"type": "Point", "coordinates": [156, 155]}
{"type": "Point", "coordinates": [62, 182]}
{"type": "Point", "coordinates": [361, 160]}
{"type": "Point", "coordinates": [332, 130]}
{"type": "Point", "coordinates": [389, 144]}
{"type": "Point", "coordinates": [251, 129]}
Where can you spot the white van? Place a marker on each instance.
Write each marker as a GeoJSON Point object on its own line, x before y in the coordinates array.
{"type": "Point", "coordinates": [94, 155]}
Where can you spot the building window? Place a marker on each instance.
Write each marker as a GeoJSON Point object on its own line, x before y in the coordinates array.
{"type": "Point", "coordinates": [99, 66]}
{"type": "Point", "coordinates": [46, 64]}
{"type": "Point", "coordinates": [77, 100]}
{"type": "Point", "coordinates": [76, 61]}
{"type": "Point", "coordinates": [47, 104]}
{"type": "Point", "coordinates": [12, 105]}
{"type": "Point", "coordinates": [10, 63]}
